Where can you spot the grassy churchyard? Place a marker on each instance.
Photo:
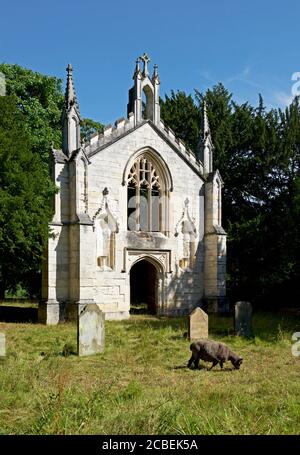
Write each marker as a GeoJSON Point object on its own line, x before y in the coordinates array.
{"type": "Point", "coordinates": [140, 385]}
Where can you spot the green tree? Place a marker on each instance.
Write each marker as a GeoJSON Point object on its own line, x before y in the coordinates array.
{"type": "Point", "coordinates": [180, 113]}
{"type": "Point", "coordinates": [40, 99]}
{"type": "Point", "coordinates": [39, 103]}
{"type": "Point", "coordinates": [89, 127]}
{"type": "Point", "coordinates": [25, 195]}
{"type": "Point", "coordinates": [219, 109]}
{"type": "Point", "coordinates": [257, 153]}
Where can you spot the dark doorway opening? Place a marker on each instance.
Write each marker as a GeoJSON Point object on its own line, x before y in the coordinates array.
{"type": "Point", "coordinates": [143, 288]}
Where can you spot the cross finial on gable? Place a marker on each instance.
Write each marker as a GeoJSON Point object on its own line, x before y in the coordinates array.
{"type": "Point", "coordinates": [145, 59]}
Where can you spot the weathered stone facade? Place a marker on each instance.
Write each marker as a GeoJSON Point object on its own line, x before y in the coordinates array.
{"type": "Point", "coordinates": [134, 206]}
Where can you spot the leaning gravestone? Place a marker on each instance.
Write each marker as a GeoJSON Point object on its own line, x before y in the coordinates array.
{"type": "Point", "coordinates": [90, 330]}
{"type": "Point", "coordinates": [243, 319]}
{"type": "Point", "coordinates": [198, 324]}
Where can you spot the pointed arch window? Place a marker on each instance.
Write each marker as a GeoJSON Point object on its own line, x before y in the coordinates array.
{"type": "Point", "coordinates": [145, 191]}
{"type": "Point", "coordinates": [147, 103]}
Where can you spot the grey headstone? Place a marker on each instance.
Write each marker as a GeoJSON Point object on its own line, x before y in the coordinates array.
{"type": "Point", "coordinates": [2, 345]}
{"type": "Point", "coordinates": [243, 319]}
{"type": "Point", "coordinates": [198, 324]}
{"type": "Point", "coordinates": [90, 330]}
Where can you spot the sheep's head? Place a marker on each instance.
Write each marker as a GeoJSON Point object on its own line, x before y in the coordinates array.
{"type": "Point", "coordinates": [237, 363]}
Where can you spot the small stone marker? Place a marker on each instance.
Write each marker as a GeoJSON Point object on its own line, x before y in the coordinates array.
{"type": "Point", "coordinates": [198, 324]}
{"type": "Point", "coordinates": [2, 345]}
{"type": "Point", "coordinates": [90, 330]}
{"type": "Point", "coordinates": [243, 319]}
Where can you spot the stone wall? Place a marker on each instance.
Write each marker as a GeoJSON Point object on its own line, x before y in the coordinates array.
{"type": "Point", "coordinates": [182, 289]}
{"type": "Point", "coordinates": [92, 186]}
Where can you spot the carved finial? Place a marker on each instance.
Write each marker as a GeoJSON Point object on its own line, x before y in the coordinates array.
{"type": "Point", "coordinates": [105, 192]}
{"type": "Point", "coordinates": [186, 202]}
{"type": "Point", "coordinates": [137, 68]}
{"type": "Point", "coordinates": [155, 77]}
{"type": "Point", "coordinates": [205, 145]}
{"type": "Point", "coordinates": [205, 129]}
{"type": "Point", "coordinates": [205, 125]}
{"type": "Point", "coordinates": [70, 95]}
{"type": "Point", "coordinates": [145, 59]}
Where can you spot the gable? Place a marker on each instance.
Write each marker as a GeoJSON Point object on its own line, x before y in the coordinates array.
{"type": "Point", "coordinates": [125, 131]}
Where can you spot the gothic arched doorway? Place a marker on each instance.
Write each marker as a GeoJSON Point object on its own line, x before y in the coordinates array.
{"type": "Point", "coordinates": [143, 287]}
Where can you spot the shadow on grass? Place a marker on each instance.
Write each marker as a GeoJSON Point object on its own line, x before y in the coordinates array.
{"type": "Point", "coordinates": [179, 367]}
{"type": "Point", "coordinates": [274, 326]}
{"type": "Point", "coordinates": [182, 336]}
{"type": "Point", "coordinates": [224, 370]}
{"type": "Point", "coordinates": [218, 324]}
{"type": "Point", "coordinates": [214, 370]}
{"type": "Point", "coordinates": [147, 321]}
{"type": "Point", "coordinates": [267, 326]}
{"type": "Point", "coordinates": [201, 368]}
{"type": "Point", "coordinates": [18, 314]}
{"type": "Point", "coordinates": [67, 350]}
{"type": "Point", "coordinates": [140, 311]}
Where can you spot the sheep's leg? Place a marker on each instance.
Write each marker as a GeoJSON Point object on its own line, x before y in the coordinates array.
{"type": "Point", "coordinates": [190, 362]}
{"type": "Point", "coordinates": [215, 362]}
{"type": "Point", "coordinates": [221, 364]}
{"type": "Point", "coordinates": [197, 363]}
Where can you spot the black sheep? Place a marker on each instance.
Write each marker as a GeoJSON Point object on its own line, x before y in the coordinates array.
{"type": "Point", "coordinates": [212, 351]}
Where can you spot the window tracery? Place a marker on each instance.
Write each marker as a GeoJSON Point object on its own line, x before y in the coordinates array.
{"type": "Point", "coordinates": [145, 193]}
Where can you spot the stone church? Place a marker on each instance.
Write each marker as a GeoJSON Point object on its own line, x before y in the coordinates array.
{"type": "Point", "coordinates": [137, 218]}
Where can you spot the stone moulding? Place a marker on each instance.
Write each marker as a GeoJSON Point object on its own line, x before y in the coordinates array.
{"type": "Point", "coordinates": [161, 258]}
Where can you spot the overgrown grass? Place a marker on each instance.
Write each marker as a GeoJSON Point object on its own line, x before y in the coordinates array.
{"type": "Point", "coordinates": [140, 385]}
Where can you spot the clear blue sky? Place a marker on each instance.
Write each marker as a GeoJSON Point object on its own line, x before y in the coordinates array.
{"type": "Point", "coordinates": [250, 46]}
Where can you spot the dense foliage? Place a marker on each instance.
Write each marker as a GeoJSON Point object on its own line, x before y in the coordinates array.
{"type": "Point", "coordinates": [40, 100]}
{"type": "Point", "coordinates": [181, 114]}
{"type": "Point", "coordinates": [88, 127]}
{"type": "Point", "coordinates": [257, 153]}
{"type": "Point", "coordinates": [25, 194]}
{"type": "Point", "coordinates": [30, 119]}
